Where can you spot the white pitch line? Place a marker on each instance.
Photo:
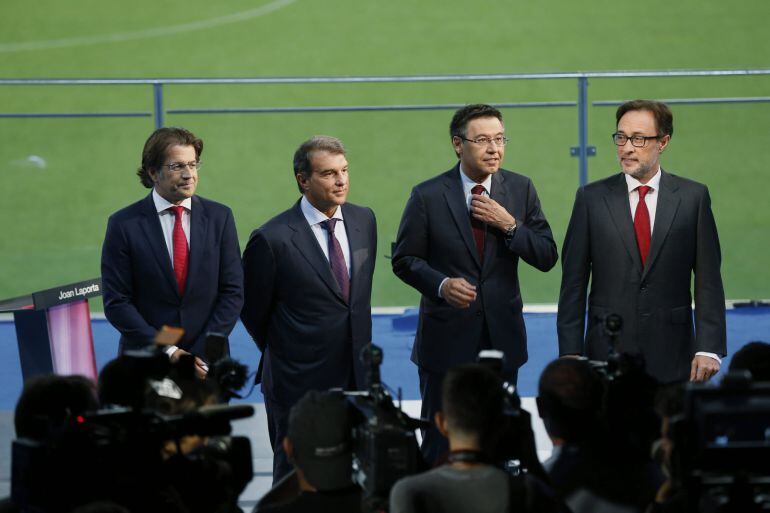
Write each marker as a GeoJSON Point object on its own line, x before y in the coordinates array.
{"type": "Point", "coordinates": [147, 33]}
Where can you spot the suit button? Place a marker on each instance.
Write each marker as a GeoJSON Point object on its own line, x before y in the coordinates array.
{"type": "Point", "coordinates": [643, 288]}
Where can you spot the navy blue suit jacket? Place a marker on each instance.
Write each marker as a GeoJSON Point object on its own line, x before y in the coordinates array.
{"type": "Point", "coordinates": [294, 309]}
{"type": "Point", "coordinates": [435, 241]}
{"type": "Point", "coordinates": [139, 287]}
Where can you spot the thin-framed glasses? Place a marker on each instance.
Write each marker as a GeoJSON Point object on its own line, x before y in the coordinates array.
{"type": "Point", "coordinates": [176, 167]}
{"type": "Point", "coordinates": [640, 141]}
{"type": "Point", "coordinates": [484, 140]}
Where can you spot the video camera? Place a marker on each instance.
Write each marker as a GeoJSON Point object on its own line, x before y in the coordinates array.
{"type": "Point", "coordinates": [722, 445]}
{"type": "Point", "coordinates": [513, 445]}
{"type": "Point", "coordinates": [385, 447]}
{"type": "Point", "coordinates": [117, 455]}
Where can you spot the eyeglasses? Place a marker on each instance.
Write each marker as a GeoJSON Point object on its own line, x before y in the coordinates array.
{"type": "Point", "coordinates": [640, 141]}
{"type": "Point", "coordinates": [176, 167]}
{"type": "Point", "coordinates": [484, 141]}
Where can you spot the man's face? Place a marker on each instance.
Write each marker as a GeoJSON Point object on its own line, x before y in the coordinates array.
{"type": "Point", "coordinates": [327, 186]}
{"type": "Point", "coordinates": [480, 160]}
{"type": "Point", "coordinates": [640, 163]}
{"type": "Point", "coordinates": [176, 185]}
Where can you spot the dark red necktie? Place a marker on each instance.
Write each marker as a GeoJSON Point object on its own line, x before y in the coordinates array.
{"type": "Point", "coordinates": [642, 224]}
{"type": "Point", "coordinates": [337, 259]}
{"type": "Point", "coordinates": [181, 251]}
{"type": "Point", "coordinates": [479, 229]}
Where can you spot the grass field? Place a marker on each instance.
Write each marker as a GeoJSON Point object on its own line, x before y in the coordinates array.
{"type": "Point", "coordinates": [53, 217]}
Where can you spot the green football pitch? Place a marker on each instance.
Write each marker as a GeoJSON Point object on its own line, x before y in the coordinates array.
{"type": "Point", "coordinates": [61, 178]}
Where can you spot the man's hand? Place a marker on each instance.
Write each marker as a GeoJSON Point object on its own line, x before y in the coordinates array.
{"type": "Point", "coordinates": [491, 212]}
{"type": "Point", "coordinates": [458, 292]}
{"type": "Point", "coordinates": [201, 369]}
{"type": "Point", "coordinates": [703, 367]}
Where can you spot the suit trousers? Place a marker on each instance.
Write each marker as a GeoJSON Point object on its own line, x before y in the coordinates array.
{"type": "Point", "coordinates": [435, 447]}
{"type": "Point", "coordinates": [278, 427]}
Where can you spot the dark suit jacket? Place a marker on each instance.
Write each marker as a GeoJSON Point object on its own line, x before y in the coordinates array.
{"type": "Point", "coordinates": [294, 310]}
{"type": "Point", "coordinates": [435, 241]}
{"type": "Point", "coordinates": [140, 290]}
{"type": "Point", "coordinates": [654, 301]}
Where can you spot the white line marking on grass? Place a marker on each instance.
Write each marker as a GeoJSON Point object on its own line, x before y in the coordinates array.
{"type": "Point", "coordinates": [147, 33]}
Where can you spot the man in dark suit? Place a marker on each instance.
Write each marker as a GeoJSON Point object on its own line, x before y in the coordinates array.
{"type": "Point", "coordinates": [172, 258]}
{"type": "Point", "coordinates": [461, 236]}
{"type": "Point", "coordinates": [308, 284]}
{"type": "Point", "coordinates": [640, 236]}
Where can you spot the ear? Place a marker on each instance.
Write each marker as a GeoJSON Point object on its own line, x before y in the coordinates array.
{"type": "Point", "coordinates": [153, 175]}
{"type": "Point", "coordinates": [457, 143]}
{"type": "Point", "coordinates": [663, 143]}
{"type": "Point", "coordinates": [302, 181]}
{"type": "Point", "coordinates": [288, 447]}
{"type": "Point", "coordinates": [440, 421]}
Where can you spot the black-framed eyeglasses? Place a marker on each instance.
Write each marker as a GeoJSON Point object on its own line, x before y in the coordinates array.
{"type": "Point", "coordinates": [484, 141]}
{"type": "Point", "coordinates": [640, 141]}
{"type": "Point", "coordinates": [176, 167]}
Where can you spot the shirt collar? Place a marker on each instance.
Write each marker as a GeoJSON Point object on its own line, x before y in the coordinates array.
{"type": "Point", "coordinates": [632, 183]}
{"type": "Point", "coordinates": [162, 204]}
{"type": "Point", "coordinates": [468, 184]}
{"type": "Point", "coordinates": [315, 216]}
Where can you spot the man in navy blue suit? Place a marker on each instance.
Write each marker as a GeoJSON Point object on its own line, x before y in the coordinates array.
{"type": "Point", "coordinates": [172, 258]}
{"type": "Point", "coordinates": [461, 238]}
{"type": "Point", "coordinates": [308, 285]}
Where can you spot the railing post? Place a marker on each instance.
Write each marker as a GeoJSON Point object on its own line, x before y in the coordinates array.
{"type": "Point", "coordinates": [157, 90]}
{"type": "Point", "coordinates": [582, 150]}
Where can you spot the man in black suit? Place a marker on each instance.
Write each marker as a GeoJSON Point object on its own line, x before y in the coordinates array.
{"type": "Point", "coordinates": [641, 236]}
{"type": "Point", "coordinates": [308, 284]}
{"type": "Point", "coordinates": [172, 258]}
{"type": "Point", "coordinates": [461, 236]}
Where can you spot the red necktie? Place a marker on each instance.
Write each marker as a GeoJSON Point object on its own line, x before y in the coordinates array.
{"type": "Point", "coordinates": [642, 224]}
{"type": "Point", "coordinates": [479, 229]}
{"type": "Point", "coordinates": [337, 259]}
{"type": "Point", "coordinates": [181, 251]}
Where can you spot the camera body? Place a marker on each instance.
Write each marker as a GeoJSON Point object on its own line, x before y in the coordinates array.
{"type": "Point", "coordinates": [385, 447]}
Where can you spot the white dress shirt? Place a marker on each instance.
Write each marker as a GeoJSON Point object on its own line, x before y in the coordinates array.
{"type": "Point", "coordinates": [315, 217]}
{"type": "Point", "coordinates": [167, 219]}
{"type": "Point", "coordinates": [651, 200]}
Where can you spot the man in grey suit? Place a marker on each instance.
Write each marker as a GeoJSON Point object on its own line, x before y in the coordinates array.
{"type": "Point", "coordinates": [308, 284]}
{"type": "Point", "coordinates": [461, 236]}
{"type": "Point", "coordinates": [640, 236]}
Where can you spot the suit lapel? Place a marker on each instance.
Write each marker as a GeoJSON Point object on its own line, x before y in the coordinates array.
{"type": "Point", "coordinates": [620, 214]}
{"type": "Point", "coordinates": [356, 242]}
{"type": "Point", "coordinates": [665, 211]}
{"type": "Point", "coordinates": [455, 198]}
{"type": "Point", "coordinates": [199, 223]}
{"type": "Point", "coordinates": [152, 230]}
{"type": "Point", "coordinates": [304, 240]}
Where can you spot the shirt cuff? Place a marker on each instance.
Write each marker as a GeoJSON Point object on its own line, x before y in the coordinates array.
{"type": "Point", "coordinates": [170, 350]}
{"type": "Point", "coordinates": [710, 355]}
{"type": "Point", "coordinates": [439, 287]}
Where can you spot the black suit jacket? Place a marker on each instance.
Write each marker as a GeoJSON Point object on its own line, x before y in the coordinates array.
{"type": "Point", "coordinates": [140, 290]}
{"type": "Point", "coordinates": [653, 300]}
{"type": "Point", "coordinates": [435, 241]}
{"type": "Point", "coordinates": [294, 310]}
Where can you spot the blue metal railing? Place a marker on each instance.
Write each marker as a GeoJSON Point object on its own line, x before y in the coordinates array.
{"type": "Point", "coordinates": [583, 150]}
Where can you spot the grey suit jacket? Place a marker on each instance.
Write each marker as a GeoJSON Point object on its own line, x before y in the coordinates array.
{"type": "Point", "coordinates": [294, 309]}
{"type": "Point", "coordinates": [435, 241]}
{"type": "Point", "coordinates": [654, 300]}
